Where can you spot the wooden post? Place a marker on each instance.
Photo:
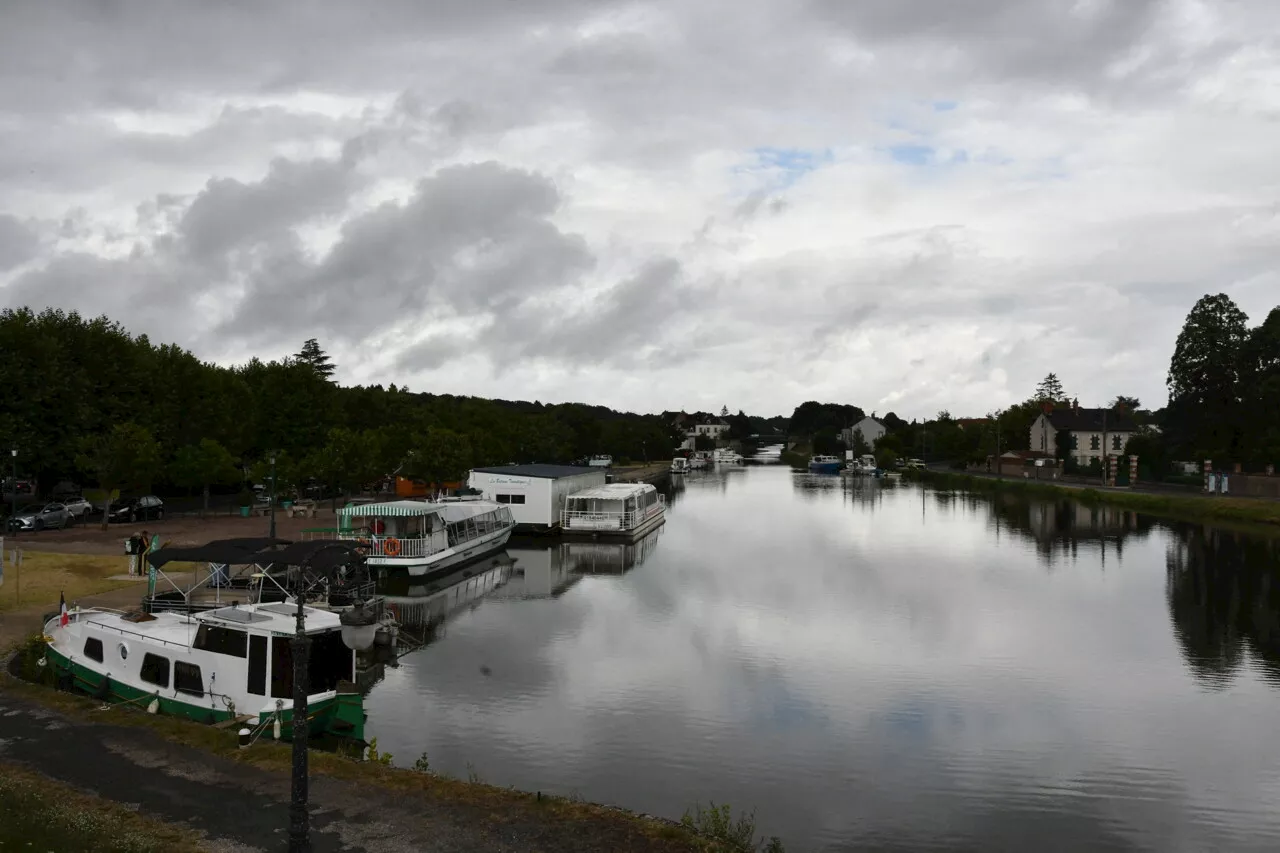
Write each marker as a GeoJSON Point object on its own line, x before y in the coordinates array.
{"type": "Point", "coordinates": [1133, 470]}
{"type": "Point", "coordinates": [1208, 469]}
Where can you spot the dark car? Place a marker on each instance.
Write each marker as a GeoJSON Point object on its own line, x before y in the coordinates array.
{"type": "Point", "coordinates": [40, 516]}
{"type": "Point", "coordinates": [137, 509]}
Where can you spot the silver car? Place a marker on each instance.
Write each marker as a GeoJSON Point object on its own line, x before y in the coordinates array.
{"type": "Point", "coordinates": [40, 517]}
{"type": "Point", "coordinates": [78, 507]}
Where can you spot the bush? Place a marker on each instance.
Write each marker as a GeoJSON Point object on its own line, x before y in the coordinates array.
{"type": "Point", "coordinates": [246, 497]}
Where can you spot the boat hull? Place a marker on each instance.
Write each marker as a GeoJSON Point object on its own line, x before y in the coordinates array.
{"type": "Point", "coordinates": [824, 467]}
{"type": "Point", "coordinates": [340, 714]}
{"type": "Point", "coordinates": [449, 558]}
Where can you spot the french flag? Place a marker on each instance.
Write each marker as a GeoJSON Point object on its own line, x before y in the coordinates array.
{"type": "Point", "coordinates": [63, 619]}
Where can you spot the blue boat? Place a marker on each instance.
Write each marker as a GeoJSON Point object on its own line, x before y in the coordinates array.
{"type": "Point", "coordinates": [825, 465]}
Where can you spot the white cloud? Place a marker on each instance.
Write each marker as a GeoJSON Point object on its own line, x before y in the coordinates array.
{"type": "Point", "coordinates": [886, 203]}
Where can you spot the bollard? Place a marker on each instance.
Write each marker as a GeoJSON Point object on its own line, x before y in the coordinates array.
{"type": "Point", "coordinates": [244, 738]}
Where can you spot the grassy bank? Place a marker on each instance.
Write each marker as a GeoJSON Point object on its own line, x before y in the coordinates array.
{"type": "Point", "coordinates": [42, 576]}
{"type": "Point", "coordinates": [37, 813]}
{"type": "Point", "coordinates": [1184, 507]}
{"type": "Point", "coordinates": [797, 457]}
{"type": "Point", "coordinates": [617, 828]}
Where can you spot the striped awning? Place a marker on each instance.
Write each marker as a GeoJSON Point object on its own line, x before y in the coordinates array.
{"type": "Point", "coordinates": [389, 509]}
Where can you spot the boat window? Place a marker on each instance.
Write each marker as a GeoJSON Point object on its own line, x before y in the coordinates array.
{"type": "Point", "coordinates": [281, 668]}
{"type": "Point", "coordinates": [509, 499]}
{"type": "Point", "coordinates": [187, 678]}
{"type": "Point", "coordinates": [222, 641]}
{"type": "Point", "coordinates": [93, 649]}
{"type": "Point", "coordinates": [517, 499]}
{"type": "Point", "coordinates": [155, 670]}
{"type": "Point", "coordinates": [258, 665]}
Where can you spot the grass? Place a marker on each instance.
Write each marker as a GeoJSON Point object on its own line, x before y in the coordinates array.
{"type": "Point", "coordinates": [37, 813]}
{"type": "Point", "coordinates": [798, 456]}
{"type": "Point", "coordinates": [495, 805]}
{"type": "Point", "coordinates": [1183, 507]}
{"type": "Point", "coordinates": [739, 834]}
{"type": "Point", "coordinates": [42, 576]}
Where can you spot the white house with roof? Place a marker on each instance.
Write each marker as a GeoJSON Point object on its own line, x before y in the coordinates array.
{"type": "Point", "coordinates": [870, 429]}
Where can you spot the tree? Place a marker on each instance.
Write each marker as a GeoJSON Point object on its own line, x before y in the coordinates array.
{"type": "Point", "coordinates": [127, 457]}
{"type": "Point", "coordinates": [724, 411]}
{"type": "Point", "coordinates": [198, 466]}
{"type": "Point", "coordinates": [886, 457]}
{"type": "Point", "coordinates": [316, 358]}
{"type": "Point", "coordinates": [1129, 404]}
{"type": "Point", "coordinates": [1260, 380]}
{"type": "Point", "coordinates": [439, 456]}
{"type": "Point", "coordinates": [859, 444]}
{"type": "Point", "coordinates": [1204, 377]}
{"type": "Point", "coordinates": [703, 442]}
{"type": "Point", "coordinates": [1050, 388]}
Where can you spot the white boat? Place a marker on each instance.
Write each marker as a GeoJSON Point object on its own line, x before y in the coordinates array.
{"type": "Point", "coordinates": [699, 460]}
{"type": "Point", "coordinates": [231, 663]}
{"type": "Point", "coordinates": [600, 461]}
{"type": "Point", "coordinates": [865, 464]}
{"type": "Point", "coordinates": [727, 456]}
{"type": "Point", "coordinates": [425, 537]}
{"type": "Point", "coordinates": [679, 465]}
{"type": "Point", "coordinates": [616, 509]}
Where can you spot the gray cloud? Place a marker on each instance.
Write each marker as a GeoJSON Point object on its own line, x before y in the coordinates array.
{"type": "Point", "coordinates": [18, 243]}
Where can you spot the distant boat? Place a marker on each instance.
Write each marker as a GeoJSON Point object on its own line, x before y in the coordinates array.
{"type": "Point", "coordinates": [824, 465]}
{"type": "Point", "coordinates": [625, 510]}
{"type": "Point", "coordinates": [679, 465]}
{"type": "Point", "coordinates": [725, 456]}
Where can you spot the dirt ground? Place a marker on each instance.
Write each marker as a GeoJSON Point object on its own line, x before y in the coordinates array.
{"type": "Point", "coordinates": [90, 538]}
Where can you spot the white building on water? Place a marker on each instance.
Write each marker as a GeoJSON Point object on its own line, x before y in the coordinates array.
{"type": "Point", "coordinates": [535, 493]}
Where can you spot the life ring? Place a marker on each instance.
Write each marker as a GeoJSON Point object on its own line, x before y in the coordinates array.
{"type": "Point", "coordinates": [391, 547]}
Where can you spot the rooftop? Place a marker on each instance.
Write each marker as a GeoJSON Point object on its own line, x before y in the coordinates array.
{"type": "Point", "coordinates": [539, 472]}
{"type": "Point", "coordinates": [614, 491]}
{"type": "Point", "coordinates": [1092, 420]}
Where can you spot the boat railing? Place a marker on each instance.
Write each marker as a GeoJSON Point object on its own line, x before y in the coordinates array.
{"type": "Point", "coordinates": [606, 519]}
{"type": "Point", "coordinates": [409, 546]}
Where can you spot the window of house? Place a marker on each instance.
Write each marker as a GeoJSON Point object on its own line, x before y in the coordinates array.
{"type": "Point", "coordinates": [1075, 442]}
{"type": "Point", "coordinates": [93, 649]}
{"type": "Point", "coordinates": [1094, 442]}
{"type": "Point", "coordinates": [155, 670]}
{"type": "Point", "coordinates": [1115, 442]}
{"type": "Point", "coordinates": [187, 679]}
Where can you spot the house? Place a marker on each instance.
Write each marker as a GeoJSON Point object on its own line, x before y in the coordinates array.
{"type": "Point", "coordinates": [535, 493]}
{"type": "Point", "coordinates": [1092, 433]}
{"type": "Point", "coordinates": [697, 424]}
{"type": "Point", "coordinates": [870, 428]}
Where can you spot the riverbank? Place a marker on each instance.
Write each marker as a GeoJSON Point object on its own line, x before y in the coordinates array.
{"type": "Point", "coordinates": [1183, 507]}
{"type": "Point", "coordinates": [178, 776]}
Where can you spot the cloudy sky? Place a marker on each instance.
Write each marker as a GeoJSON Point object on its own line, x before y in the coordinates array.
{"type": "Point", "coordinates": [903, 204]}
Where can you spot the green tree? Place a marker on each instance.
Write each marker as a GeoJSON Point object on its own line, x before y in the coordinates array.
{"type": "Point", "coordinates": [703, 442]}
{"type": "Point", "coordinates": [127, 457]}
{"type": "Point", "coordinates": [439, 456]}
{"type": "Point", "coordinates": [205, 464]}
{"type": "Point", "coordinates": [1129, 404]}
{"type": "Point", "coordinates": [1204, 377]}
{"type": "Point", "coordinates": [1050, 388]}
{"type": "Point", "coordinates": [315, 358]}
{"type": "Point", "coordinates": [886, 457]}
{"type": "Point", "coordinates": [1260, 403]}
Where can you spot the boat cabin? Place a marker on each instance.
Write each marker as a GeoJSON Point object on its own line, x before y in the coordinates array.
{"type": "Point", "coordinates": [396, 532]}
{"type": "Point", "coordinates": [614, 508]}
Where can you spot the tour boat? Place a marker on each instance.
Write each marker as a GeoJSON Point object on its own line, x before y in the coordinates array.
{"type": "Point", "coordinates": [726, 456]}
{"type": "Point", "coordinates": [824, 465]}
{"type": "Point", "coordinates": [615, 509]}
{"type": "Point", "coordinates": [231, 663]}
{"type": "Point", "coordinates": [423, 537]}
{"type": "Point", "coordinates": [679, 465]}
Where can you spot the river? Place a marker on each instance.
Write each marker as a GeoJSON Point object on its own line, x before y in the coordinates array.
{"type": "Point", "coordinates": [869, 666]}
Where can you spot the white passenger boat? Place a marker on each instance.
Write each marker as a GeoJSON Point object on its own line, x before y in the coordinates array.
{"type": "Point", "coordinates": [423, 537]}
{"type": "Point", "coordinates": [616, 509]}
{"type": "Point", "coordinates": [231, 663]}
{"type": "Point", "coordinates": [727, 456]}
{"type": "Point", "coordinates": [680, 465]}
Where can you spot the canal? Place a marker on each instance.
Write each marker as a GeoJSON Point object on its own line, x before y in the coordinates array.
{"type": "Point", "coordinates": [869, 666]}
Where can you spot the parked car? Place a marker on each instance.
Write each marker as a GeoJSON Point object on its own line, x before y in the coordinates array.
{"type": "Point", "coordinates": [40, 516]}
{"type": "Point", "coordinates": [78, 506]}
{"type": "Point", "coordinates": [137, 509]}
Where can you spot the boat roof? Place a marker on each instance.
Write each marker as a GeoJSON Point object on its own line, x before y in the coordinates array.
{"type": "Point", "coordinates": [613, 491]}
{"type": "Point", "coordinates": [537, 472]}
{"type": "Point", "coordinates": [180, 629]}
{"type": "Point", "coordinates": [391, 508]}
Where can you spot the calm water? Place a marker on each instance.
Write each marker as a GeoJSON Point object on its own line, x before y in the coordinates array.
{"type": "Point", "coordinates": [870, 667]}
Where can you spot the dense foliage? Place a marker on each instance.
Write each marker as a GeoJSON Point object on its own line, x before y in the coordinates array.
{"type": "Point", "coordinates": [85, 401]}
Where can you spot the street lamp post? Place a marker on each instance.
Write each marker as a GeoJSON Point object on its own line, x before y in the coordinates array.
{"type": "Point", "coordinates": [359, 627]}
{"type": "Point", "coordinates": [13, 488]}
{"type": "Point", "coordinates": [272, 531]}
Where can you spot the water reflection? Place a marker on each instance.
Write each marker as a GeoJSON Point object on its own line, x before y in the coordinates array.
{"type": "Point", "coordinates": [874, 666]}
{"type": "Point", "coordinates": [423, 606]}
{"type": "Point", "coordinates": [1224, 600]}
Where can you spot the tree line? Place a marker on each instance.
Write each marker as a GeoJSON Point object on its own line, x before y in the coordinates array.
{"type": "Point", "coordinates": [84, 401]}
